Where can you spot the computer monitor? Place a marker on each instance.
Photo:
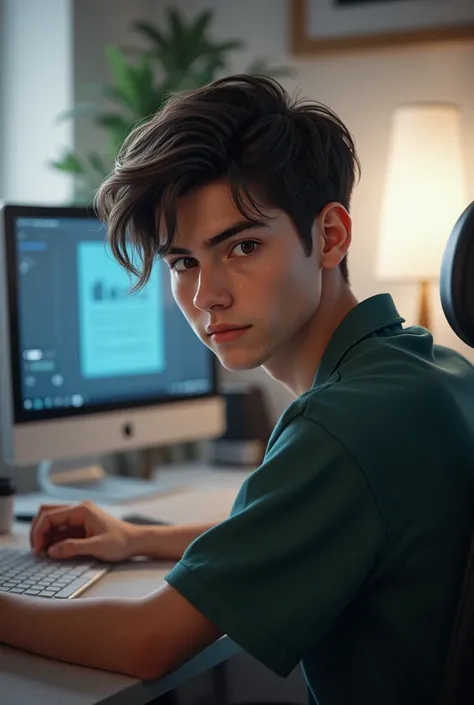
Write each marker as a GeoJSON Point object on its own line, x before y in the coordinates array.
{"type": "Point", "coordinates": [87, 367]}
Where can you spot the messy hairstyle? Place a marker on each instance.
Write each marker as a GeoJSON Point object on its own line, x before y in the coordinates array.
{"type": "Point", "coordinates": [274, 151]}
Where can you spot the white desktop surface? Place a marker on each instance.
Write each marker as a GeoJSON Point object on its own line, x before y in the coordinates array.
{"type": "Point", "coordinates": [201, 495]}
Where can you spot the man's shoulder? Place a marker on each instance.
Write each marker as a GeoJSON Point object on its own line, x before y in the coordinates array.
{"type": "Point", "coordinates": [398, 398]}
{"type": "Point", "coordinates": [385, 373]}
{"type": "Point", "coordinates": [294, 425]}
{"type": "Point", "coordinates": [381, 396]}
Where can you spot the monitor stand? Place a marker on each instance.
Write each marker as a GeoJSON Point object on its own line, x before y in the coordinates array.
{"type": "Point", "coordinates": [76, 481]}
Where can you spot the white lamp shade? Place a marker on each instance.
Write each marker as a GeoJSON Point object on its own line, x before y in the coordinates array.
{"type": "Point", "coordinates": [425, 191]}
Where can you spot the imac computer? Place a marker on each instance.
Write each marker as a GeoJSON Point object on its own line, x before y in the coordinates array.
{"type": "Point", "coordinates": [87, 368]}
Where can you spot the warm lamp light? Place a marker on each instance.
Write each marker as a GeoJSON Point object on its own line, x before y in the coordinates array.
{"type": "Point", "coordinates": [424, 195]}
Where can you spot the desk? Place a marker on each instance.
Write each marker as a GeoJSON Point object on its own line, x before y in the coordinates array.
{"type": "Point", "coordinates": [201, 495]}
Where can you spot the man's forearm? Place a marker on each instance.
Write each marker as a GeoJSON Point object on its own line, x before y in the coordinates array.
{"type": "Point", "coordinates": [165, 542]}
{"type": "Point", "coordinates": [100, 633]}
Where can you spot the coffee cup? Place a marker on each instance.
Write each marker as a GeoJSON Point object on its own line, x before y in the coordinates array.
{"type": "Point", "coordinates": [7, 497]}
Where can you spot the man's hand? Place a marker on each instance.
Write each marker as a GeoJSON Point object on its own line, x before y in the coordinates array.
{"type": "Point", "coordinates": [63, 531]}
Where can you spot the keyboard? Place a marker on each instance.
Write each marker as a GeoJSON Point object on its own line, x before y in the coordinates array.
{"type": "Point", "coordinates": [22, 572]}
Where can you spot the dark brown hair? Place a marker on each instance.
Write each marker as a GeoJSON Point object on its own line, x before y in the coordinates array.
{"type": "Point", "coordinates": [289, 154]}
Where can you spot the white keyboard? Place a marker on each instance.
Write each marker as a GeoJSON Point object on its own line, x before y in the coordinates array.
{"type": "Point", "coordinates": [22, 572]}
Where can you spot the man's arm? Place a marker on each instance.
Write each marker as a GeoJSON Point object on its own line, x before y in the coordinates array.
{"type": "Point", "coordinates": [165, 542]}
{"type": "Point", "coordinates": [145, 638]}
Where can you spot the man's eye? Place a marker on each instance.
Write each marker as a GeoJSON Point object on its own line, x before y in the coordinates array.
{"type": "Point", "coordinates": [247, 247]}
{"type": "Point", "coordinates": [183, 263]}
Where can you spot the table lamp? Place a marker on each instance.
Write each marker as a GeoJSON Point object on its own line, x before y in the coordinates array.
{"type": "Point", "coordinates": [424, 195]}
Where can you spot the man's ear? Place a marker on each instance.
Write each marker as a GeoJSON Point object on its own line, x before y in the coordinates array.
{"type": "Point", "coordinates": [334, 227]}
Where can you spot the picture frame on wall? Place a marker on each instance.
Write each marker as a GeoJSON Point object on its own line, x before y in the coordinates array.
{"type": "Point", "coordinates": [324, 26]}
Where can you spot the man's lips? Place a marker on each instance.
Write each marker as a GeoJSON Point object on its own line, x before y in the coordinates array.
{"type": "Point", "coordinates": [225, 333]}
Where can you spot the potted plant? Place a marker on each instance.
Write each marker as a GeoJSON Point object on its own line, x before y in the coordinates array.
{"type": "Point", "coordinates": [180, 55]}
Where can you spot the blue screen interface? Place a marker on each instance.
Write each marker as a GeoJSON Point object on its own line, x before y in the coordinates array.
{"type": "Point", "coordinates": [84, 339]}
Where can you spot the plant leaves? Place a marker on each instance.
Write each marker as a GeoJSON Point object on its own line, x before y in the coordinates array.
{"type": "Point", "coordinates": [148, 97]}
{"type": "Point", "coordinates": [230, 45]}
{"type": "Point", "coordinates": [152, 32]}
{"type": "Point", "coordinates": [201, 25]}
{"type": "Point", "coordinates": [180, 55]}
{"type": "Point", "coordinates": [70, 163]}
{"type": "Point", "coordinates": [182, 45]}
{"type": "Point", "coordinates": [202, 74]}
{"type": "Point", "coordinates": [113, 122]}
{"type": "Point", "coordinates": [159, 45]}
{"type": "Point", "coordinates": [177, 23]}
{"type": "Point", "coordinates": [124, 75]}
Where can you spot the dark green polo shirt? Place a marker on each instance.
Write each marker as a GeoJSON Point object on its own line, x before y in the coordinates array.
{"type": "Point", "coordinates": [345, 549]}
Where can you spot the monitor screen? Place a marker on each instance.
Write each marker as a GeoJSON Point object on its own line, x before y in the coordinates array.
{"type": "Point", "coordinates": [79, 341]}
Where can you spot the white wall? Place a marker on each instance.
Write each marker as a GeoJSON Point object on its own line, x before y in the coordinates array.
{"type": "Point", "coordinates": [36, 59]}
{"type": "Point", "coordinates": [98, 23]}
{"type": "Point", "coordinates": [36, 85]}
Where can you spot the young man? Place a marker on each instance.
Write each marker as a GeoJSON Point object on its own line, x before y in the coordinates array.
{"type": "Point", "coordinates": [345, 550]}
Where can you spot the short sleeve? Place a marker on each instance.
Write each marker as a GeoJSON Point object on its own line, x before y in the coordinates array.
{"type": "Point", "coordinates": [302, 539]}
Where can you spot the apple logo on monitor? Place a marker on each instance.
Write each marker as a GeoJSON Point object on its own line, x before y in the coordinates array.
{"type": "Point", "coordinates": [128, 429]}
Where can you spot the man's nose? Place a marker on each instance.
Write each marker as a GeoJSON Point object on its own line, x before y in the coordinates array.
{"type": "Point", "coordinates": [212, 290]}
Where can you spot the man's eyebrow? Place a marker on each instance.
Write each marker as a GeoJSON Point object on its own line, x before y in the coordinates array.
{"type": "Point", "coordinates": [235, 229]}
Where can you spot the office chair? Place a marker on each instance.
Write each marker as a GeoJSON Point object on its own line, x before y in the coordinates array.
{"type": "Point", "coordinates": [457, 299]}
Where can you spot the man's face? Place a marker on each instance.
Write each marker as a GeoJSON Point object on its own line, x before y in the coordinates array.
{"type": "Point", "coordinates": [248, 295]}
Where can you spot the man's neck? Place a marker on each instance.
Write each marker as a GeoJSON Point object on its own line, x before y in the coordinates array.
{"type": "Point", "coordinates": [295, 365]}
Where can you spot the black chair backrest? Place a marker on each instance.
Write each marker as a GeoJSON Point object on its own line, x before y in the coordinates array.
{"type": "Point", "coordinates": [457, 299]}
{"type": "Point", "coordinates": [457, 278]}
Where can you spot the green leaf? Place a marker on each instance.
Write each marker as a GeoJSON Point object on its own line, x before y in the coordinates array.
{"type": "Point", "coordinates": [100, 90]}
{"type": "Point", "coordinates": [115, 95]}
{"type": "Point", "coordinates": [151, 32]}
{"type": "Point", "coordinates": [204, 74]}
{"type": "Point", "coordinates": [79, 110]}
{"type": "Point", "coordinates": [69, 163]}
{"type": "Point", "coordinates": [229, 45]}
{"type": "Point", "coordinates": [201, 25]}
{"type": "Point", "coordinates": [125, 77]}
{"type": "Point", "coordinates": [177, 23]}
{"type": "Point", "coordinates": [140, 96]}
{"type": "Point", "coordinates": [147, 95]}
{"type": "Point", "coordinates": [185, 46]}
{"type": "Point", "coordinates": [117, 127]}
{"type": "Point", "coordinates": [113, 122]}
{"type": "Point", "coordinates": [159, 44]}
{"type": "Point", "coordinates": [98, 164]}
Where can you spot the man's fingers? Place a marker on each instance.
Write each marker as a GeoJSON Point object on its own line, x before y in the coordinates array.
{"type": "Point", "coordinates": [51, 520]}
{"type": "Point", "coordinates": [63, 532]}
{"type": "Point", "coordinates": [43, 508]}
{"type": "Point", "coordinates": [73, 547]}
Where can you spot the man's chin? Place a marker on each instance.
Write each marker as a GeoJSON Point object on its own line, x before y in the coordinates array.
{"type": "Point", "coordinates": [241, 361]}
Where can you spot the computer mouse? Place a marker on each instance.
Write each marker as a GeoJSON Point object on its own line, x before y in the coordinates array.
{"type": "Point", "coordinates": [143, 520]}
